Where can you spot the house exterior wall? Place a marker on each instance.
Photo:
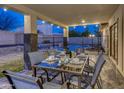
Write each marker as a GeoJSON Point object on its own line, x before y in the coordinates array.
{"type": "Point", "coordinates": [105, 39]}
{"type": "Point", "coordinates": [118, 15]}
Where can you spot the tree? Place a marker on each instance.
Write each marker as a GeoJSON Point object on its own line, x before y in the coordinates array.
{"type": "Point", "coordinates": [98, 33]}
{"type": "Point", "coordinates": [73, 33]}
{"type": "Point", "coordinates": [8, 21]}
{"type": "Point", "coordinates": [86, 33]}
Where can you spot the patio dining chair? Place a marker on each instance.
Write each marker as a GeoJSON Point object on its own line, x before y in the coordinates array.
{"type": "Point", "coordinates": [88, 81]}
{"type": "Point", "coordinates": [36, 58]}
{"type": "Point", "coordinates": [22, 81]}
{"type": "Point", "coordinates": [90, 67]}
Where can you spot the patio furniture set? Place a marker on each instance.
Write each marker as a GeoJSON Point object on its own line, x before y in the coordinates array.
{"type": "Point", "coordinates": [75, 72]}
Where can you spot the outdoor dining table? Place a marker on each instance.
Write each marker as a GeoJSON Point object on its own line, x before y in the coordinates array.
{"type": "Point", "coordinates": [67, 68]}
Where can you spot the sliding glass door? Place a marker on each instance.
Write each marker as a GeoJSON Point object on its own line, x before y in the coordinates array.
{"type": "Point", "coordinates": [114, 41]}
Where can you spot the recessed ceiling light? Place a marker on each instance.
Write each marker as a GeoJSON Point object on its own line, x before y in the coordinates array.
{"type": "Point", "coordinates": [4, 9]}
{"type": "Point", "coordinates": [83, 21]}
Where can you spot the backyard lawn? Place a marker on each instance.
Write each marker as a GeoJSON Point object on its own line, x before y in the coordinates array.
{"type": "Point", "coordinates": [13, 65]}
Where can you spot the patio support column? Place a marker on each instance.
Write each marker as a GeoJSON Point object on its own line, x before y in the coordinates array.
{"type": "Point", "coordinates": [65, 39]}
{"type": "Point", "coordinates": [30, 38]}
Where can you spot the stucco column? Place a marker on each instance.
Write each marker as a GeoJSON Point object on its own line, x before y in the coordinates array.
{"type": "Point", "coordinates": [66, 35]}
{"type": "Point", "coordinates": [30, 38]}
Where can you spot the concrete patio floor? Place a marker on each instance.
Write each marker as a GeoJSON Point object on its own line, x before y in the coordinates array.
{"type": "Point", "coordinates": [111, 79]}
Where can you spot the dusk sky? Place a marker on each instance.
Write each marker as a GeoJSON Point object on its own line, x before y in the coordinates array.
{"type": "Point", "coordinates": [90, 27]}
{"type": "Point", "coordinates": [20, 18]}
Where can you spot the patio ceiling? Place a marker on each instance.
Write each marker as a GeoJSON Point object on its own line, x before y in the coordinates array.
{"type": "Point", "coordinates": [73, 14]}
{"type": "Point", "coordinates": [28, 11]}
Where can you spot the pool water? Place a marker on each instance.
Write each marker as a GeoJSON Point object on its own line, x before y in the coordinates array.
{"type": "Point", "coordinates": [73, 47]}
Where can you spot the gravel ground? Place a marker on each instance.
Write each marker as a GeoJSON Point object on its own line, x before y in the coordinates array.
{"type": "Point", "coordinates": [10, 57]}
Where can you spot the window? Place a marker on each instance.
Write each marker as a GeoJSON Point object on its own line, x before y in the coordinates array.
{"type": "Point", "coordinates": [114, 41]}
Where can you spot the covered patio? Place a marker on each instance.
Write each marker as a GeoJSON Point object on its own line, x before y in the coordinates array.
{"type": "Point", "coordinates": [110, 78]}
{"type": "Point", "coordinates": [109, 75]}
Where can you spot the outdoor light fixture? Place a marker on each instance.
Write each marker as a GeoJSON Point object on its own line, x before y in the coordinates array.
{"type": "Point", "coordinates": [4, 9]}
{"type": "Point", "coordinates": [91, 35]}
{"type": "Point", "coordinates": [43, 22]}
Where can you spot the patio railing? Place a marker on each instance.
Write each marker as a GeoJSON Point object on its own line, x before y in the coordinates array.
{"type": "Point", "coordinates": [47, 42]}
{"type": "Point", "coordinates": [73, 42]}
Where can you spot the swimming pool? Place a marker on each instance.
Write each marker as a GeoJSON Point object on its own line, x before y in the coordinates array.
{"type": "Point", "coordinates": [73, 47]}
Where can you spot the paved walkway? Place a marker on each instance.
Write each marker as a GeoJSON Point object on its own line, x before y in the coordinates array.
{"type": "Point", "coordinates": [111, 79]}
